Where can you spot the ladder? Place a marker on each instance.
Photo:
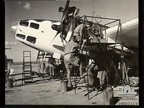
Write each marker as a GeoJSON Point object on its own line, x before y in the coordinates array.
{"type": "Point", "coordinates": [27, 67]}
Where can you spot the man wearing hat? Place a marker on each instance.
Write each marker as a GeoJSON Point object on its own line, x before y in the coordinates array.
{"type": "Point", "coordinates": [80, 29]}
{"type": "Point", "coordinates": [78, 33]}
{"type": "Point", "coordinates": [71, 56]}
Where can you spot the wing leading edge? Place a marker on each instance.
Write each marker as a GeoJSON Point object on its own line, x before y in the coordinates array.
{"type": "Point", "coordinates": [128, 35]}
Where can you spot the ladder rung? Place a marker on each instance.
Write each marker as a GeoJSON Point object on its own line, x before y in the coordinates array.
{"type": "Point", "coordinates": [27, 71]}
{"type": "Point", "coordinates": [27, 78]}
{"type": "Point", "coordinates": [27, 66]}
{"type": "Point", "coordinates": [27, 75]}
{"type": "Point", "coordinates": [27, 56]}
{"type": "Point", "coordinates": [27, 63]}
{"type": "Point", "coordinates": [27, 60]}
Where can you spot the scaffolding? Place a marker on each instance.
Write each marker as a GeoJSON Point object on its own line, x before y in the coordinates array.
{"type": "Point", "coordinates": [43, 60]}
{"type": "Point", "coordinates": [104, 25]}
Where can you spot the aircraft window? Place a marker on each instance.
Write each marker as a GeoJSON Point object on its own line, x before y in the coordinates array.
{"type": "Point", "coordinates": [20, 36]}
{"type": "Point", "coordinates": [34, 25]}
{"type": "Point", "coordinates": [24, 23]}
{"type": "Point", "coordinates": [31, 39]}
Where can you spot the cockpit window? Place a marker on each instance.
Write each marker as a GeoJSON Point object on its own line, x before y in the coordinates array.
{"type": "Point", "coordinates": [31, 39]}
{"type": "Point", "coordinates": [34, 25]}
{"type": "Point", "coordinates": [24, 23]}
{"type": "Point", "coordinates": [20, 36]}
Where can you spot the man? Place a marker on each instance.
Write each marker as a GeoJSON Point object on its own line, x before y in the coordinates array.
{"type": "Point", "coordinates": [102, 76]}
{"type": "Point", "coordinates": [79, 30]}
{"type": "Point", "coordinates": [51, 67]}
{"type": "Point", "coordinates": [71, 50]}
{"type": "Point", "coordinates": [78, 33]}
{"type": "Point", "coordinates": [71, 57]}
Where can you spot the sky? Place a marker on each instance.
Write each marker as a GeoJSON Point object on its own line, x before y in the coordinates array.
{"type": "Point", "coordinates": [16, 10]}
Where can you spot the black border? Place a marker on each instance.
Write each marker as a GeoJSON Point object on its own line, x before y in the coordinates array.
{"type": "Point", "coordinates": [2, 54]}
{"type": "Point", "coordinates": [2, 61]}
{"type": "Point", "coordinates": [141, 39]}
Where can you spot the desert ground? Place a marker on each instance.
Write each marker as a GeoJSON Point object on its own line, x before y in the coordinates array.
{"type": "Point", "coordinates": [45, 92]}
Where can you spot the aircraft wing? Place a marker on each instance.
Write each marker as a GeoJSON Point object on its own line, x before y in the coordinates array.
{"type": "Point", "coordinates": [128, 35]}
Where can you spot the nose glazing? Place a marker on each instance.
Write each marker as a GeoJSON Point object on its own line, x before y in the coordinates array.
{"type": "Point", "coordinates": [14, 28]}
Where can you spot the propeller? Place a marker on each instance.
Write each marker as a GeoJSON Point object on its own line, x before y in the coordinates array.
{"type": "Point", "coordinates": [65, 12]}
{"type": "Point", "coordinates": [70, 30]}
{"type": "Point", "coordinates": [63, 20]}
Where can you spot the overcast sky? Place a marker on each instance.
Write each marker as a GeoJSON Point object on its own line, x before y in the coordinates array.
{"type": "Point", "coordinates": [48, 9]}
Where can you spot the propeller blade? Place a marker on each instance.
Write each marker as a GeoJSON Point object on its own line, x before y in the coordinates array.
{"type": "Point", "coordinates": [65, 12]}
{"type": "Point", "coordinates": [71, 30]}
{"type": "Point", "coordinates": [55, 36]}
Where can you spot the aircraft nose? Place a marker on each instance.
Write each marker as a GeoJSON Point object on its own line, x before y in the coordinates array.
{"type": "Point", "coordinates": [14, 27]}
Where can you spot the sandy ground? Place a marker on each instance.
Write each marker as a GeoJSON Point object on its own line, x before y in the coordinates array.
{"type": "Point", "coordinates": [45, 93]}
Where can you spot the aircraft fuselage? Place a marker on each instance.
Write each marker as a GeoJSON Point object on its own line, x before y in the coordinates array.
{"type": "Point", "coordinates": [39, 35]}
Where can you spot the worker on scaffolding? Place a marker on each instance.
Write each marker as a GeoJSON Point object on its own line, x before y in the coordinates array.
{"type": "Point", "coordinates": [71, 50]}
{"type": "Point", "coordinates": [87, 30]}
{"type": "Point", "coordinates": [71, 57]}
{"type": "Point", "coordinates": [89, 75]}
{"type": "Point", "coordinates": [79, 34]}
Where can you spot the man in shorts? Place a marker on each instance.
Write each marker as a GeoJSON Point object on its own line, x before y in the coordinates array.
{"type": "Point", "coordinates": [71, 57]}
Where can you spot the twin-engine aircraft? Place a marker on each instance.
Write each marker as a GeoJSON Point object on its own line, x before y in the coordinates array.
{"type": "Point", "coordinates": [40, 34]}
